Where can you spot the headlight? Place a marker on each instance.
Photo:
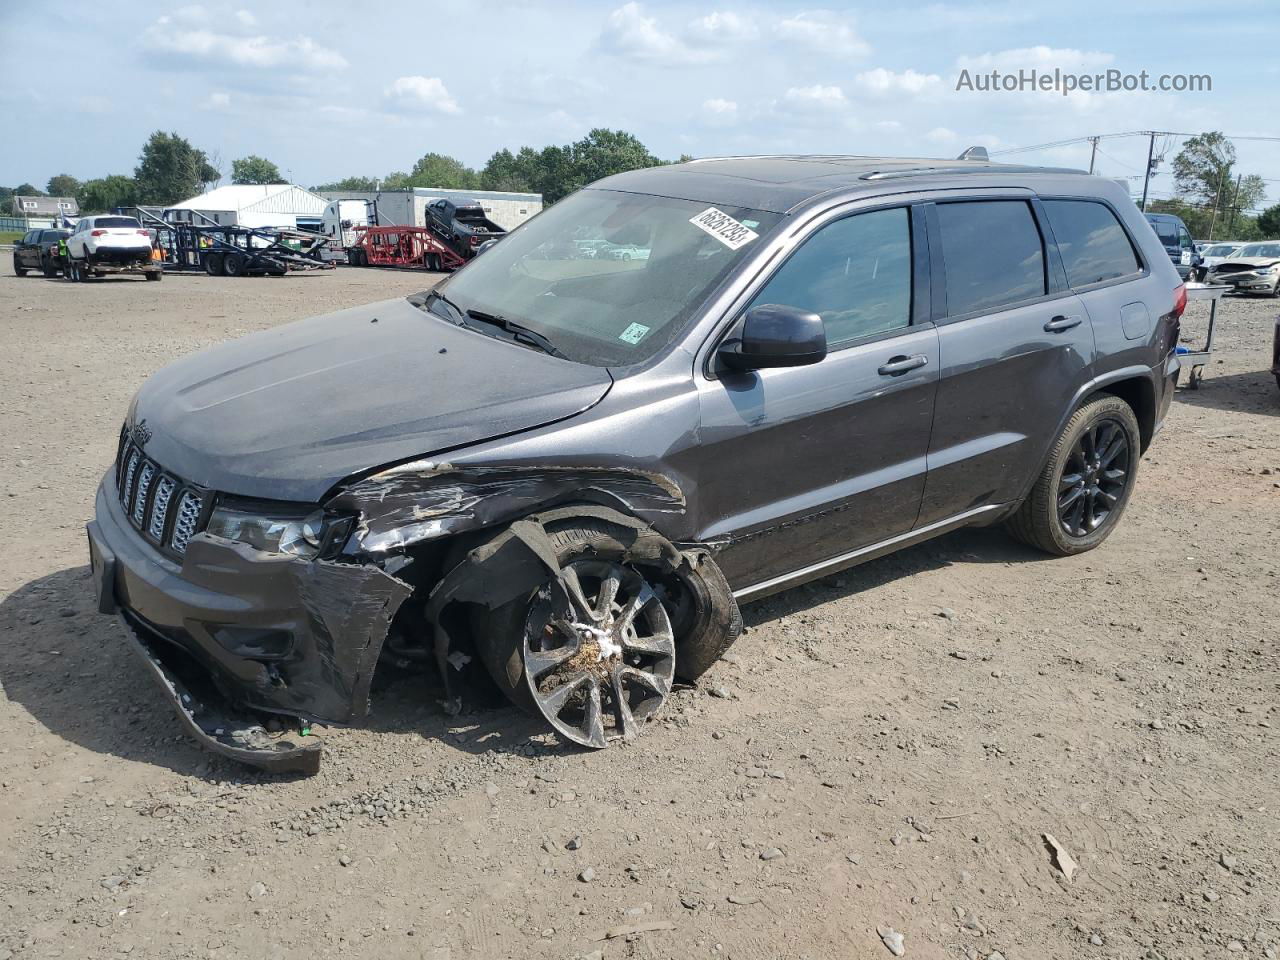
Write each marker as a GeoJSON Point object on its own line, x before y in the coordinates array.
{"type": "Point", "coordinates": [1274, 268]}
{"type": "Point", "coordinates": [298, 535]}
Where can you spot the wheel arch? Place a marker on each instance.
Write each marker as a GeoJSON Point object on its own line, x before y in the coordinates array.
{"type": "Point", "coordinates": [1140, 394]}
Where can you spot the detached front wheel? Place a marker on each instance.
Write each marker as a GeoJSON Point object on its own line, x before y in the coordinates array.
{"type": "Point", "coordinates": [593, 651]}
{"type": "Point", "coordinates": [1086, 483]}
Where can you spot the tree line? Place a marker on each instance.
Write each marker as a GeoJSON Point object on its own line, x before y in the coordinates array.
{"type": "Point", "coordinates": [1212, 195]}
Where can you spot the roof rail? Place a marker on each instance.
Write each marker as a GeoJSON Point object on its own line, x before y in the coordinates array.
{"type": "Point", "coordinates": [996, 168]}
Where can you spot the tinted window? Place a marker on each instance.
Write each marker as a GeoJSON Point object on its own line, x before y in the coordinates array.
{"type": "Point", "coordinates": [993, 254]}
{"type": "Point", "coordinates": [854, 273]}
{"type": "Point", "coordinates": [1166, 230]}
{"type": "Point", "coordinates": [115, 222]}
{"type": "Point", "coordinates": [31, 236]}
{"type": "Point", "coordinates": [1093, 245]}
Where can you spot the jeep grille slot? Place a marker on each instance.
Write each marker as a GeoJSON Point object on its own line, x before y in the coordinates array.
{"type": "Point", "coordinates": [164, 507]}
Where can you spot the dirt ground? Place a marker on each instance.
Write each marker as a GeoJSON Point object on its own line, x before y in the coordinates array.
{"type": "Point", "coordinates": [883, 749]}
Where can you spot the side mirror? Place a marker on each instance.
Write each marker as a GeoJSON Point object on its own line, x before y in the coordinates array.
{"type": "Point", "coordinates": [774, 335]}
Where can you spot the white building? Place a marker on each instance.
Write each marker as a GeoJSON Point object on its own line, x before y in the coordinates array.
{"type": "Point", "coordinates": [254, 205]}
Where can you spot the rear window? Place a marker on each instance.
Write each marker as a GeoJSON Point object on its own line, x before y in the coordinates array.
{"type": "Point", "coordinates": [993, 253]}
{"type": "Point", "coordinates": [52, 235]}
{"type": "Point", "coordinates": [1093, 245]}
{"type": "Point", "coordinates": [101, 222]}
{"type": "Point", "coordinates": [1166, 230]}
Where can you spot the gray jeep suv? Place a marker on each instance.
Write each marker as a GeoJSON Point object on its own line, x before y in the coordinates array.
{"type": "Point", "coordinates": [573, 469]}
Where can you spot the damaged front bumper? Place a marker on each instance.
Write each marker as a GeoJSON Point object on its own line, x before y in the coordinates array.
{"type": "Point", "coordinates": [271, 632]}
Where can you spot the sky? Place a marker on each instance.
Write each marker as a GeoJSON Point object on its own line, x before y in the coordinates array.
{"type": "Point", "coordinates": [329, 90]}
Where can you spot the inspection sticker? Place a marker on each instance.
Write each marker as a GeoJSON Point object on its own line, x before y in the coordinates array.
{"type": "Point", "coordinates": [724, 228]}
{"type": "Point", "coordinates": [633, 334]}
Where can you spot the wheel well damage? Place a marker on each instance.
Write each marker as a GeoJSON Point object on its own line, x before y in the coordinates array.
{"type": "Point", "coordinates": [520, 558]}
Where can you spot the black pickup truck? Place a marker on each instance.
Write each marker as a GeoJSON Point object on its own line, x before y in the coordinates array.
{"type": "Point", "coordinates": [463, 225]}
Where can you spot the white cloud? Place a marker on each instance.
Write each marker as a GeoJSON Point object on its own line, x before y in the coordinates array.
{"type": "Point", "coordinates": [723, 26]}
{"type": "Point", "coordinates": [246, 18]}
{"type": "Point", "coordinates": [719, 112]}
{"type": "Point", "coordinates": [888, 125]}
{"type": "Point", "coordinates": [816, 97]}
{"type": "Point", "coordinates": [825, 32]}
{"type": "Point", "coordinates": [421, 93]}
{"type": "Point", "coordinates": [629, 33]}
{"type": "Point", "coordinates": [1041, 57]}
{"type": "Point", "coordinates": [197, 45]}
{"type": "Point", "coordinates": [882, 83]}
{"type": "Point", "coordinates": [942, 135]}
{"type": "Point", "coordinates": [217, 101]}
{"type": "Point", "coordinates": [717, 105]}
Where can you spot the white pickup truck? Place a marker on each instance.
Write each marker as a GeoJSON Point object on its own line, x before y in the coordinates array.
{"type": "Point", "coordinates": [110, 243]}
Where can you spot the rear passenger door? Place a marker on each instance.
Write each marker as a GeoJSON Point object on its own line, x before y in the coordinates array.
{"type": "Point", "coordinates": [1015, 345]}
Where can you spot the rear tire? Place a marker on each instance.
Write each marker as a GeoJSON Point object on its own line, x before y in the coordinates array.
{"type": "Point", "coordinates": [213, 264]}
{"type": "Point", "coordinates": [18, 268]}
{"type": "Point", "coordinates": [1078, 476]}
{"type": "Point", "coordinates": [49, 269]}
{"type": "Point", "coordinates": [156, 275]}
{"type": "Point", "coordinates": [233, 265]}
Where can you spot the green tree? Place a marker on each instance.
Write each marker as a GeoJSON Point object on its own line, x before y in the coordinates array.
{"type": "Point", "coordinates": [1269, 222]}
{"type": "Point", "coordinates": [63, 185]}
{"type": "Point", "coordinates": [602, 153]}
{"type": "Point", "coordinates": [354, 184]}
{"type": "Point", "coordinates": [255, 169]}
{"type": "Point", "coordinates": [107, 193]}
{"type": "Point", "coordinates": [396, 180]}
{"type": "Point", "coordinates": [27, 190]}
{"type": "Point", "coordinates": [170, 169]}
{"type": "Point", "coordinates": [438, 170]}
{"type": "Point", "coordinates": [1204, 173]}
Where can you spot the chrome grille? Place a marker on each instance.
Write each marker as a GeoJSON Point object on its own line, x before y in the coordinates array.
{"type": "Point", "coordinates": [160, 507]}
{"type": "Point", "coordinates": [184, 524]}
{"type": "Point", "coordinates": [164, 507]}
{"type": "Point", "coordinates": [140, 495]}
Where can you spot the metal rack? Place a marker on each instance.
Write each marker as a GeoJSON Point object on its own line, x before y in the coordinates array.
{"type": "Point", "coordinates": [1194, 360]}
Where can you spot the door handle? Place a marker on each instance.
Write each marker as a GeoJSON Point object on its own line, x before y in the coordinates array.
{"type": "Point", "coordinates": [902, 364]}
{"type": "Point", "coordinates": [1060, 323]}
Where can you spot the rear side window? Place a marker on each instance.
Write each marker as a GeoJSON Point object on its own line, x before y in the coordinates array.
{"type": "Point", "coordinates": [993, 253]}
{"type": "Point", "coordinates": [1093, 245]}
{"type": "Point", "coordinates": [854, 273]}
{"type": "Point", "coordinates": [1166, 230]}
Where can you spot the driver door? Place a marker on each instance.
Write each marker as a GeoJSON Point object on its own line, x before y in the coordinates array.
{"type": "Point", "coordinates": [800, 465]}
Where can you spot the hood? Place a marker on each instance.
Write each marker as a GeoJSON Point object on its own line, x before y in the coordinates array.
{"type": "Point", "coordinates": [1249, 262]}
{"type": "Point", "coordinates": [287, 413]}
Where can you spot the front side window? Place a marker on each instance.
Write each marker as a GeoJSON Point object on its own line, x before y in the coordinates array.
{"type": "Point", "coordinates": [993, 252]}
{"type": "Point", "coordinates": [855, 273]}
{"type": "Point", "coordinates": [562, 276]}
{"type": "Point", "coordinates": [1093, 245]}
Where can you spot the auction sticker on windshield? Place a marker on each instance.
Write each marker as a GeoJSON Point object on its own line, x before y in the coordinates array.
{"type": "Point", "coordinates": [633, 334]}
{"type": "Point", "coordinates": [724, 228]}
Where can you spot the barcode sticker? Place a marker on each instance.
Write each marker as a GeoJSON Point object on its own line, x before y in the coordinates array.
{"type": "Point", "coordinates": [724, 228]}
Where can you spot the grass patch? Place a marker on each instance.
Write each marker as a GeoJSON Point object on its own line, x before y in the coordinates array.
{"type": "Point", "coordinates": [11, 236]}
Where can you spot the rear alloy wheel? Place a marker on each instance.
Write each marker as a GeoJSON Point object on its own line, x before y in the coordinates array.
{"type": "Point", "coordinates": [1084, 487]}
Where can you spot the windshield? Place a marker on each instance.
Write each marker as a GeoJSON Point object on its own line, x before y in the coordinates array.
{"type": "Point", "coordinates": [1221, 250]}
{"type": "Point", "coordinates": [609, 278]}
{"type": "Point", "coordinates": [1260, 250]}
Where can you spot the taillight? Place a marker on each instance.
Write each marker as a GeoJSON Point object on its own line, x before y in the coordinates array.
{"type": "Point", "coordinates": [97, 233]}
{"type": "Point", "coordinates": [143, 233]}
{"type": "Point", "coordinates": [1179, 300]}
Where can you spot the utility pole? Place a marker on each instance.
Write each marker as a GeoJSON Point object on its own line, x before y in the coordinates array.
{"type": "Point", "coordinates": [1093, 156]}
{"type": "Point", "coordinates": [1146, 179]}
{"type": "Point", "coordinates": [1217, 200]}
{"type": "Point", "coordinates": [1235, 201]}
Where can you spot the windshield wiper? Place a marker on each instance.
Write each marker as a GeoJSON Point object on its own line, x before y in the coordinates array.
{"type": "Point", "coordinates": [519, 332]}
{"type": "Point", "coordinates": [462, 314]}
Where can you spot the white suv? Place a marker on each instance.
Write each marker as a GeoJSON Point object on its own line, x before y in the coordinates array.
{"type": "Point", "coordinates": [109, 239]}
{"type": "Point", "coordinates": [110, 244]}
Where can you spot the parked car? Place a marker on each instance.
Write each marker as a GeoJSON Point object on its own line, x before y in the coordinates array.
{"type": "Point", "coordinates": [577, 475]}
{"type": "Point", "coordinates": [622, 251]}
{"type": "Point", "coordinates": [1176, 239]}
{"type": "Point", "coordinates": [1275, 351]}
{"type": "Point", "coordinates": [38, 250]}
{"type": "Point", "coordinates": [1215, 253]}
{"type": "Point", "coordinates": [1254, 268]}
{"type": "Point", "coordinates": [109, 243]}
{"type": "Point", "coordinates": [463, 225]}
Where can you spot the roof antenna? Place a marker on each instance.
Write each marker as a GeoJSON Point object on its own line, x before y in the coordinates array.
{"type": "Point", "coordinates": [974, 153]}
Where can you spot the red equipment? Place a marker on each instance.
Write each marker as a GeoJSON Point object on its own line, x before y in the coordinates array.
{"type": "Point", "coordinates": [398, 246]}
